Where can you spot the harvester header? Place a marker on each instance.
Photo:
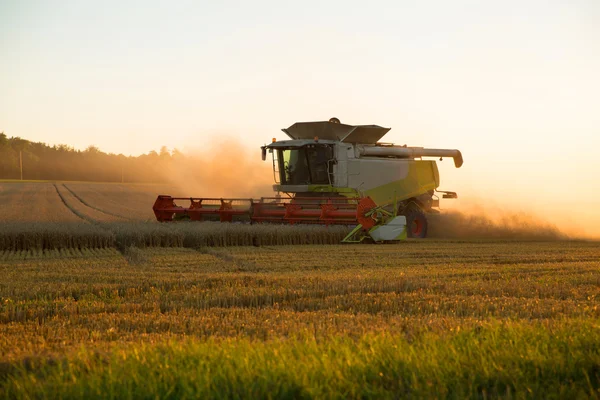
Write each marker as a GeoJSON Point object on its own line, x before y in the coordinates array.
{"type": "Point", "coordinates": [333, 173]}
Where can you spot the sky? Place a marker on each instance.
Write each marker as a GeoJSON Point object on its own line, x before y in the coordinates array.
{"type": "Point", "coordinates": [515, 85]}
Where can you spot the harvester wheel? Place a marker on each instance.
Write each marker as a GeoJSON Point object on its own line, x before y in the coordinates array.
{"type": "Point", "coordinates": [416, 223]}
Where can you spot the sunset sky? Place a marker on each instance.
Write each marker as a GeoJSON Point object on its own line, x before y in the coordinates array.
{"type": "Point", "coordinates": [515, 85]}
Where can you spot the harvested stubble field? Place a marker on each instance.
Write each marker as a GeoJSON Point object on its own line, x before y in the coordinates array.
{"type": "Point", "coordinates": [418, 319]}
{"type": "Point", "coordinates": [32, 202]}
{"type": "Point", "coordinates": [132, 202]}
{"type": "Point", "coordinates": [68, 202]}
{"type": "Point", "coordinates": [105, 304]}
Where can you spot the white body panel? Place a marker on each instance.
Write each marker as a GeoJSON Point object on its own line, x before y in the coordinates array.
{"type": "Point", "coordinates": [393, 230]}
{"type": "Point", "coordinates": [368, 173]}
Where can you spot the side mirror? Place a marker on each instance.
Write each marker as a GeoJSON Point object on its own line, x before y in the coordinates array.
{"type": "Point", "coordinates": [263, 153]}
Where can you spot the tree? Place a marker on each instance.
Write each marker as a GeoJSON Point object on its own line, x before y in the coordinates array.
{"type": "Point", "coordinates": [91, 149]}
{"type": "Point", "coordinates": [62, 162]}
{"type": "Point", "coordinates": [19, 144]}
{"type": "Point", "coordinates": [64, 148]}
{"type": "Point", "coordinates": [164, 153]}
{"type": "Point", "coordinates": [177, 155]}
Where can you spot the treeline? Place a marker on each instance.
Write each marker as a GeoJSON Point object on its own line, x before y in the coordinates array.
{"type": "Point", "coordinates": [62, 162]}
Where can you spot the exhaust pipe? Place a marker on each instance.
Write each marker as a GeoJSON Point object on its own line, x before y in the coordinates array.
{"type": "Point", "coordinates": [411, 152]}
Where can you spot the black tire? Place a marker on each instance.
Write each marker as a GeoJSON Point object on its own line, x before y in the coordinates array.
{"type": "Point", "coordinates": [416, 223]}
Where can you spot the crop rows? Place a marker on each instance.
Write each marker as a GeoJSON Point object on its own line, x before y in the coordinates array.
{"type": "Point", "coordinates": [272, 292]}
{"type": "Point", "coordinates": [24, 236]}
{"type": "Point", "coordinates": [21, 236]}
{"type": "Point", "coordinates": [501, 316]}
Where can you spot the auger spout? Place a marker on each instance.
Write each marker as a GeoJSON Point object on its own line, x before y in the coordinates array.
{"type": "Point", "coordinates": [411, 152]}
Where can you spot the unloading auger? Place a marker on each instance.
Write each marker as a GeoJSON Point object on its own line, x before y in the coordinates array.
{"type": "Point", "coordinates": [331, 173]}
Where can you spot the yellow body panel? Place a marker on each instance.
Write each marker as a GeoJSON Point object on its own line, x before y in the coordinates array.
{"type": "Point", "coordinates": [422, 177]}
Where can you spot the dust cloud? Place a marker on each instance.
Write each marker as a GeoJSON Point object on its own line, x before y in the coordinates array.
{"type": "Point", "coordinates": [472, 225]}
{"type": "Point", "coordinates": [224, 168]}
{"type": "Point", "coordinates": [472, 217]}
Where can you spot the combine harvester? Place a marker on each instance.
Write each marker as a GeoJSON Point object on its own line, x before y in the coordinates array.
{"type": "Point", "coordinates": [335, 174]}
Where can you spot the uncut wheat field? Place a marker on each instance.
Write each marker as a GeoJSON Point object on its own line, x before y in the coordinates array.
{"type": "Point", "coordinates": [97, 300]}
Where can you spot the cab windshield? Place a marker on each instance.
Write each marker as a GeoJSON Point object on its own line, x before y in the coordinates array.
{"type": "Point", "coordinates": [305, 165]}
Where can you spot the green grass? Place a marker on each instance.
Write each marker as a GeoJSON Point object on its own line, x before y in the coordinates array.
{"type": "Point", "coordinates": [495, 360]}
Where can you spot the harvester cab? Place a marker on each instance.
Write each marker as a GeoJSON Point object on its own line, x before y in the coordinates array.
{"type": "Point", "coordinates": [333, 173]}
